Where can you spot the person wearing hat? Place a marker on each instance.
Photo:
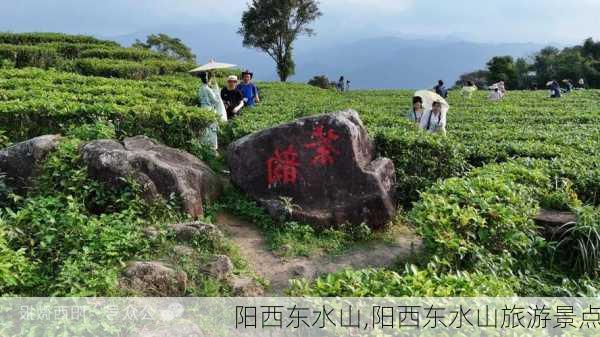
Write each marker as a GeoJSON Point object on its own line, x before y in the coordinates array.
{"type": "Point", "coordinates": [232, 97]}
{"type": "Point", "coordinates": [248, 89]}
{"type": "Point", "coordinates": [434, 121]}
{"type": "Point", "coordinates": [417, 110]}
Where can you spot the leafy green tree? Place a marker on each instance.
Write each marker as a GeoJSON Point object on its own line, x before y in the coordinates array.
{"type": "Point", "coordinates": [522, 68]}
{"type": "Point", "coordinates": [273, 25]}
{"type": "Point", "coordinates": [502, 68]}
{"type": "Point", "coordinates": [167, 45]}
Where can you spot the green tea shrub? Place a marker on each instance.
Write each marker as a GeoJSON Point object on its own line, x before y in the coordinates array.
{"type": "Point", "coordinates": [467, 219]}
{"type": "Point", "coordinates": [420, 160]}
{"type": "Point", "coordinates": [412, 282]}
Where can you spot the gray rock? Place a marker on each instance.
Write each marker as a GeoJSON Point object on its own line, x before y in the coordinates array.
{"type": "Point", "coordinates": [153, 279]}
{"type": "Point", "coordinates": [160, 170]}
{"type": "Point", "coordinates": [22, 160]}
{"type": "Point", "coordinates": [319, 170]}
{"type": "Point", "coordinates": [183, 251]}
{"type": "Point", "coordinates": [551, 220]}
{"type": "Point", "coordinates": [245, 287]}
{"type": "Point", "coordinates": [219, 267]}
{"type": "Point", "coordinates": [186, 232]}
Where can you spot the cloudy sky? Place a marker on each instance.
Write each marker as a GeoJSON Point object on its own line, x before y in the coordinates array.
{"type": "Point", "coordinates": [543, 21]}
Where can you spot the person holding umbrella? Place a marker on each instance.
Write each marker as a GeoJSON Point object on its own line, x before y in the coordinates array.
{"type": "Point", "coordinates": [248, 89]}
{"type": "Point", "coordinates": [434, 121]}
{"type": "Point", "coordinates": [209, 98]}
{"type": "Point", "coordinates": [435, 110]}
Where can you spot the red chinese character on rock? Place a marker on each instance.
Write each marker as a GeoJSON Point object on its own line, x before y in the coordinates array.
{"type": "Point", "coordinates": [282, 167]}
{"type": "Point", "coordinates": [324, 149]}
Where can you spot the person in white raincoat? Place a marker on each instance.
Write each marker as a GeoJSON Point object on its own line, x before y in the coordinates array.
{"type": "Point", "coordinates": [417, 110]}
{"type": "Point", "coordinates": [434, 120]}
{"type": "Point", "coordinates": [210, 98]}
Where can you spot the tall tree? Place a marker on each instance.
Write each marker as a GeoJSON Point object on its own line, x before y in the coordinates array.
{"type": "Point", "coordinates": [273, 25]}
{"type": "Point", "coordinates": [168, 46]}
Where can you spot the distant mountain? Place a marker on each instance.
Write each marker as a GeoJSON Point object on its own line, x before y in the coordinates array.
{"type": "Point", "coordinates": [385, 62]}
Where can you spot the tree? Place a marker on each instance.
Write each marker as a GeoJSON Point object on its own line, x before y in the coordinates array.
{"type": "Point", "coordinates": [480, 78]}
{"type": "Point", "coordinates": [321, 81]}
{"type": "Point", "coordinates": [273, 25]}
{"type": "Point", "coordinates": [168, 46]}
{"type": "Point", "coordinates": [523, 80]}
{"type": "Point", "coordinates": [502, 68]}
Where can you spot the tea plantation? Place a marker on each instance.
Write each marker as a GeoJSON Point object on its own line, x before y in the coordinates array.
{"type": "Point", "coordinates": [471, 195]}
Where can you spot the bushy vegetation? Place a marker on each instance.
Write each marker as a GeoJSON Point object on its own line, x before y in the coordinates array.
{"type": "Point", "coordinates": [35, 102]}
{"type": "Point", "coordinates": [550, 63]}
{"type": "Point", "coordinates": [86, 56]}
{"type": "Point", "coordinates": [471, 195]}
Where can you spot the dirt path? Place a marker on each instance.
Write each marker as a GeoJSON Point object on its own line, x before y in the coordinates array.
{"type": "Point", "coordinates": [279, 271]}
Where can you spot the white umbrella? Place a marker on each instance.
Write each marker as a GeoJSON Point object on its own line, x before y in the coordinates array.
{"type": "Point", "coordinates": [212, 65]}
{"type": "Point", "coordinates": [549, 83]}
{"type": "Point", "coordinates": [429, 97]}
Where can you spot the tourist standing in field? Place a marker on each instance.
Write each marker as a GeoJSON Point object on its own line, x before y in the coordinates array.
{"type": "Point", "coordinates": [209, 98]}
{"type": "Point", "coordinates": [501, 87]}
{"type": "Point", "coordinates": [417, 110]}
{"type": "Point", "coordinates": [468, 90]}
{"type": "Point", "coordinates": [434, 121]}
{"type": "Point", "coordinates": [440, 89]}
{"type": "Point", "coordinates": [232, 98]}
{"type": "Point", "coordinates": [248, 89]}
{"type": "Point", "coordinates": [341, 85]}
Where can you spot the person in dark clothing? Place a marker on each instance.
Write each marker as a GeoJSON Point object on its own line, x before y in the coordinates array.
{"type": "Point", "coordinates": [554, 89]}
{"type": "Point", "coordinates": [440, 89]}
{"type": "Point", "coordinates": [232, 98]}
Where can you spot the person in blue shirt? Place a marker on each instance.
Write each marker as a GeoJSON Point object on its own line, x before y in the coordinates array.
{"type": "Point", "coordinates": [248, 89]}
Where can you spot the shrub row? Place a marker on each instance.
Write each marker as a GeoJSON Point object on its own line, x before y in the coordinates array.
{"type": "Point", "coordinates": [35, 102]}
{"type": "Point", "coordinates": [37, 38]}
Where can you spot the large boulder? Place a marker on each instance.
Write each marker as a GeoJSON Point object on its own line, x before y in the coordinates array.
{"type": "Point", "coordinates": [319, 170]}
{"type": "Point", "coordinates": [153, 278]}
{"type": "Point", "coordinates": [159, 169]}
{"type": "Point", "coordinates": [21, 161]}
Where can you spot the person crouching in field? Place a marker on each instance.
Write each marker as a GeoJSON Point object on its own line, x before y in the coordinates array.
{"type": "Point", "coordinates": [434, 121]}
{"type": "Point", "coordinates": [210, 99]}
{"type": "Point", "coordinates": [495, 94]}
{"type": "Point", "coordinates": [417, 110]}
{"type": "Point", "coordinates": [554, 89]}
{"type": "Point", "coordinates": [468, 90]}
{"type": "Point", "coordinates": [248, 89]}
{"type": "Point", "coordinates": [232, 98]}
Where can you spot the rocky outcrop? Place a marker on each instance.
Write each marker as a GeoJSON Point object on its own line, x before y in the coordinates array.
{"type": "Point", "coordinates": [219, 267]}
{"type": "Point", "coordinates": [159, 169]}
{"type": "Point", "coordinates": [153, 279]}
{"type": "Point", "coordinates": [187, 232]}
{"type": "Point", "coordinates": [22, 160]}
{"type": "Point", "coordinates": [320, 170]}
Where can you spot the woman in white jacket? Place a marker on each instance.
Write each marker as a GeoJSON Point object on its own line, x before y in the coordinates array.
{"type": "Point", "coordinates": [434, 120]}
{"type": "Point", "coordinates": [210, 98]}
